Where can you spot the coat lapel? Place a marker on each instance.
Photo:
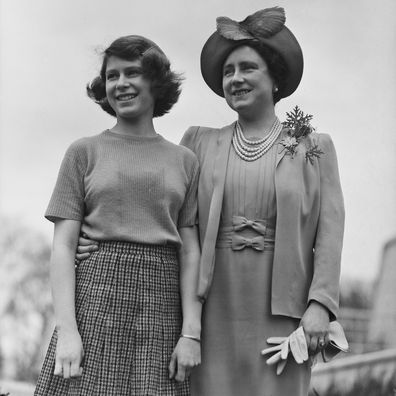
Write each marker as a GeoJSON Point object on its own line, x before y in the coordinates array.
{"type": "Point", "coordinates": [280, 149]}
{"type": "Point", "coordinates": [221, 162]}
{"type": "Point", "coordinates": [219, 174]}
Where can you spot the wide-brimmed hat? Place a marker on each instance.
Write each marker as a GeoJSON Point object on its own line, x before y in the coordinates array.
{"type": "Point", "coordinates": [266, 26]}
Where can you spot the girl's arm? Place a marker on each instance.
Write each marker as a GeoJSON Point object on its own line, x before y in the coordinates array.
{"type": "Point", "coordinates": [69, 349]}
{"type": "Point", "coordinates": [187, 353]}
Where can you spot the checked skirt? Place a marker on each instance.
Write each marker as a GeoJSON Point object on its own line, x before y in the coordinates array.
{"type": "Point", "coordinates": [129, 318]}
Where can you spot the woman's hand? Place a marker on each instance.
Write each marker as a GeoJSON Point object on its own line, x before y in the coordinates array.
{"type": "Point", "coordinates": [315, 323]}
{"type": "Point", "coordinates": [85, 247]}
{"type": "Point", "coordinates": [69, 354]}
{"type": "Point", "coordinates": [186, 355]}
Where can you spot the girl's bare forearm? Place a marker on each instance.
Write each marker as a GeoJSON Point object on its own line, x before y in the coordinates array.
{"type": "Point", "coordinates": [189, 271]}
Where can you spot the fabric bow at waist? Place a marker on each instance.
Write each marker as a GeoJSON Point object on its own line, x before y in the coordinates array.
{"type": "Point", "coordinates": [239, 223]}
{"type": "Point", "coordinates": [239, 235]}
{"type": "Point", "coordinates": [239, 242]}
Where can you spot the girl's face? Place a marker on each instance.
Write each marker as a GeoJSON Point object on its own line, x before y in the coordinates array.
{"type": "Point", "coordinates": [247, 83]}
{"type": "Point", "coordinates": [127, 90]}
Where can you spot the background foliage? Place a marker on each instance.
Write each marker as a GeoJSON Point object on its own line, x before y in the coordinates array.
{"type": "Point", "coordinates": [25, 301]}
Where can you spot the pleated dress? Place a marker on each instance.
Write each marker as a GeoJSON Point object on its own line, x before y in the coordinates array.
{"type": "Point", "coordinates": [237, 317]}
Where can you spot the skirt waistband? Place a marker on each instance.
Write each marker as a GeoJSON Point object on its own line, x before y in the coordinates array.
{"type": "Point", "coordinates": [137, 248]}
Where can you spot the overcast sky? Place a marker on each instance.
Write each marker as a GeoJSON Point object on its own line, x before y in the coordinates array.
{"type": "Point", "coordinates": [49, 51]}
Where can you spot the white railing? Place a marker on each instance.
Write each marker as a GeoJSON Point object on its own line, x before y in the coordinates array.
{"type": "Point", "coordinates": [344, 372]}
{"type": "Point", "coordinates": [16, 388]}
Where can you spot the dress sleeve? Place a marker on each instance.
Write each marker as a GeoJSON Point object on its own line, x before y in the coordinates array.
{"type": "Point", "coordinates": [67, 200]}
{"type": "Point", "coordinates": [328, 245]}
{"type": "Point", "coordinates": [188, 213]}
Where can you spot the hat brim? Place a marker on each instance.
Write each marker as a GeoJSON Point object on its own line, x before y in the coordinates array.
{"type": "Point", "coordinates": [217, 49]}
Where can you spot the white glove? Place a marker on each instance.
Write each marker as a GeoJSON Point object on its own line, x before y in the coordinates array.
{"type": "Point", "coordinates": [295, 342]}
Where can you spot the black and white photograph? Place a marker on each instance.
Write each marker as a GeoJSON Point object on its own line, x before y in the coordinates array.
{"type": "Point", "coordinates": [197, 198]}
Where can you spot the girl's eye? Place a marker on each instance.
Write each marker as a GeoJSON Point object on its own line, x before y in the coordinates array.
{"type": "Point", "coordinates": [133, 72]}
{"type": "Point", "coordinates": [111, 76]}
{"type": "Point", "coordinates": [227, 72]}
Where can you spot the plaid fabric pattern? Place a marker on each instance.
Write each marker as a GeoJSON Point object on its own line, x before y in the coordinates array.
{"type": "Point", "coordinates": [129, 317]}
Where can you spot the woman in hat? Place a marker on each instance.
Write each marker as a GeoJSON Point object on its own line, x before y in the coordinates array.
{"type": "Point", "coordinates": [127, 318]}
{"type": "Point", "coordinates": [271, 215]}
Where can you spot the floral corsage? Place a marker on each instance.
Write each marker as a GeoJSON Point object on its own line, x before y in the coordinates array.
{"type": "Point", "coordinates": [299, 128]}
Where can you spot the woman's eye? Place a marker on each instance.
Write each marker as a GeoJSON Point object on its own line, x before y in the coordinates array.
{"type": "Point", "coordinates": [248, 67]}
{"type": "Point", "coordinates": [111, 76]}
{"type": "Point", "coordinates": [227, 72]}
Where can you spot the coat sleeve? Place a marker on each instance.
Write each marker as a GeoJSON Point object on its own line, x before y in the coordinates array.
{"type": "Point", "coordinates": [328, 245]}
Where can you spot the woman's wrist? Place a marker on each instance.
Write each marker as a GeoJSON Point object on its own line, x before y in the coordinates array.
{"type": "Point", "coordinates": [319, 307]}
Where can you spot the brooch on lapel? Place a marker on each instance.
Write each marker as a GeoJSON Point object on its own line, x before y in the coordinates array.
{"type": "Point", "coordinates": [299, 125]}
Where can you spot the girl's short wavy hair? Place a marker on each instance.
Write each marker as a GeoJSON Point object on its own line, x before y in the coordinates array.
{"type": "Point", "coordinates": [165, 84]}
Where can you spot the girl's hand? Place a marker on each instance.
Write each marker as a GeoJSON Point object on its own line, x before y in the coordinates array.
{"type": "Point", "coordinates": [186, 355]}
{"type": "Point", "coordinates": [69, 354]}
{"type": "Point", "coordinates": [85, 247]}
{"type": "Point", "coordinates": [315, 322]}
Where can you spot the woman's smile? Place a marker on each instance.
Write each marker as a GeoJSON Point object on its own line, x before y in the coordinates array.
{"type": "Point", "coordinates": [240, 92]}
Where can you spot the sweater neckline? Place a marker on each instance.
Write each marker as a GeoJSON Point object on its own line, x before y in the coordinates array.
{"type": "Point", "coordinates": [154, 138]}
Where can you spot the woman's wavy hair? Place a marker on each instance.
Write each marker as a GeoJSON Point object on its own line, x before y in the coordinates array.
{"type": "Point", "coordinates": [165, 84]}
{"type": "Point", "coordinates": [276, 65]}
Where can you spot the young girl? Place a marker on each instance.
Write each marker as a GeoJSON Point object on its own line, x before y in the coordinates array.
{"type": "Point", "coordinates": [127, 318]}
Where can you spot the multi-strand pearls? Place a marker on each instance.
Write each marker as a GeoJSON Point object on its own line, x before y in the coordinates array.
{"type": "Point", "coordinates": [250, 150]}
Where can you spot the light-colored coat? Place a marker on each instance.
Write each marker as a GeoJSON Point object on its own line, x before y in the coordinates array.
{"type": "Point", "coordinates": [309, 223]}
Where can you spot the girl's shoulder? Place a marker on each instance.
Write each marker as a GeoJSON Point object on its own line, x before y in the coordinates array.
{"type": "Point", "coordinates": [176, 149]}
{"type": "Point", "coordinates": [87, 142]}
{"type": "Point", "coordinates": [81, 148]}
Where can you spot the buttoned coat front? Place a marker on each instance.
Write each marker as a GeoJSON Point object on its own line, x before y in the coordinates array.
{"type": "Point", "coordinates": [309, 223]}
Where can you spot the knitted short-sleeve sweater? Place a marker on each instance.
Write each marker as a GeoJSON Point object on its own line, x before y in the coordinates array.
{"type": "Point", "coordinates": [127, 188]}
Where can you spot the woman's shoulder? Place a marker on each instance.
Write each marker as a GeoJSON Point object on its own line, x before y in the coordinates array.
{"type": "Point", "coordinates": [200, 131]}
{"type": "Point", "coordinates": [321, 145]}
{"type": "Point", "coordinates": [196, 136]}
{"type": "Point", "coordinates": [323, 140]}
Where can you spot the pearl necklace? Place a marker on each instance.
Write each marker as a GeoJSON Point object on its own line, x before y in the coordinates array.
{"type": "Point", "coordinates": [250, 150]}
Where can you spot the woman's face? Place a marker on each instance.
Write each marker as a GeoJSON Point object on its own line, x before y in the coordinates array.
{"type": "Point", "coordinates": [247, 83]}
{"type": "Point", "coordinates": [127, 90]}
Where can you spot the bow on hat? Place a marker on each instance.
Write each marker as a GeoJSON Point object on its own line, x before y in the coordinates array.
{"type": "Point", "coordinates": [262, 24]}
